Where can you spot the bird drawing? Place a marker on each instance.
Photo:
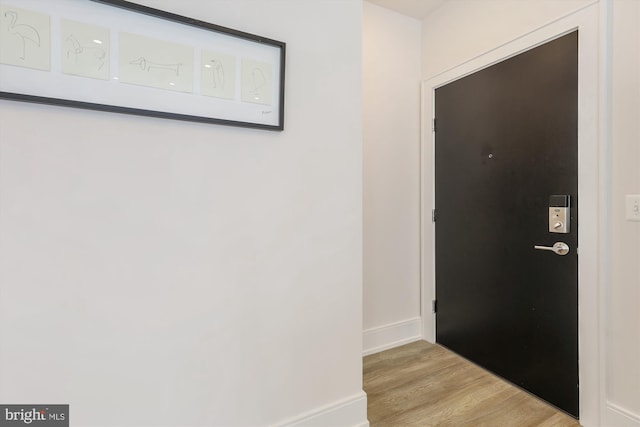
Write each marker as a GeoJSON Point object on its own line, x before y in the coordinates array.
{"type": "Point", "coordinates": [258, 80]}
{"type": "Point", "coordinates": [23, 31]}
{"type": "Point", "coordinates": [218, 74]}
{"type": "Point", "coordinates": [85, 54]}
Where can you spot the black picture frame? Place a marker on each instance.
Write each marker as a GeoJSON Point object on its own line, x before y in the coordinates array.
{"type": "Point", "coordinates": [201, 72]}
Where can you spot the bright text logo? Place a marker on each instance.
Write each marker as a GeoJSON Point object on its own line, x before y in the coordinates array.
{"type": "Point", "coordinates": [36, 415]}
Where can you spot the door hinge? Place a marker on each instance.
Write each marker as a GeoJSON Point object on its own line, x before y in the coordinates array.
{"type": "Point", "coordinates": [434, 305]}
{"type": "Point", "coordinates": [433, 125]}
{"type": "Point", "coordinates": [433, 215]}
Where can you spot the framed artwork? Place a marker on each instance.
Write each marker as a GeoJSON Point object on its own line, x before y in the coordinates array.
{"type": "Point", "coordinates": [118, 56]}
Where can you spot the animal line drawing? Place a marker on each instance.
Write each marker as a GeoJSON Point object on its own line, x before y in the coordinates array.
{"type": "Point", "coordinates": [258, 80]}
{"type": "Point", "coordinates": [78, 51]}
{"type": "Point", "coordinates": [218, 73]}
{"type": "Point", "coordinates": [146, 65]}
{"type": "Point", "coordinates": [24, 31]}
{"type": "Point", "coordinates": [218, 77]}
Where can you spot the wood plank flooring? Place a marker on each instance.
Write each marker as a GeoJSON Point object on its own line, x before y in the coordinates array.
{"type": "Point", "coordinates": [422, 384]}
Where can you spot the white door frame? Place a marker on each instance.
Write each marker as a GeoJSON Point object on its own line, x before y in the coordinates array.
{"type": "Point", "coordinates": [589, 189]}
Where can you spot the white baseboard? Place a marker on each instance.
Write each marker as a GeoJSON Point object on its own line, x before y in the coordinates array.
{"type": "Point", "coordinates": [617, 416]}
{"type": "Point", "coordinates": [391, 335]}
{"type": "Point", "coordinates": [350, 412]}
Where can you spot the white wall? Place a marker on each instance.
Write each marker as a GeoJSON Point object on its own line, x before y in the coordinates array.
{"type": "Point", "coordinates": [462, 30]}
{"type": "Point", "coordinates": [155, 272]}
{"type": "Point", "coordinates": [623, 326]}
{"type": "Point", "coordinates": [391, 116]}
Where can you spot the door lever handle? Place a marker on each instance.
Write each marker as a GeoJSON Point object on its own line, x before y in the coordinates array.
{"type": "Point", "coordinates": [560, 248]}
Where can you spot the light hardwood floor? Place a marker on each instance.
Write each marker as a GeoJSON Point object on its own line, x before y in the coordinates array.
{"type": "Point", "coordinates": [422, 384]}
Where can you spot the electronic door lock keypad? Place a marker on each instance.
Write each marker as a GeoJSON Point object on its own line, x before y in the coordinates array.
{"type": "Point", "coordinates": [559, 213]}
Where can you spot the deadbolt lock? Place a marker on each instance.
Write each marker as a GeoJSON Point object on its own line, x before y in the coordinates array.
{"type": "Point", "coordinates": [559, 213]}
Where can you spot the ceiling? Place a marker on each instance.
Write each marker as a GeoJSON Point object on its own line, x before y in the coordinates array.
{"type": "Point", "coordinates": [414, 8]}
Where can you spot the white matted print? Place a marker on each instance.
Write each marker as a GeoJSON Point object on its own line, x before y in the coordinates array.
{"type": "Point", "coordinates": [155, 63]}
{"type": "Point", "coordinates": [218, 75]}
{"type": "Point", "coordinates": [25, 38]}
{"type": "Point", "coordinates": [85, 50]}
{"type": "Point", "coordinates": [149, 63]}
{"type": "Point", "coordinates": [257, 82]}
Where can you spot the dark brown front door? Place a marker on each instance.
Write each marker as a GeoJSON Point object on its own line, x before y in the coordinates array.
{"type": "Point", "coordinates": [507, 140]}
